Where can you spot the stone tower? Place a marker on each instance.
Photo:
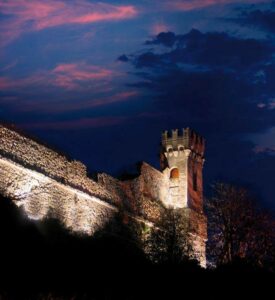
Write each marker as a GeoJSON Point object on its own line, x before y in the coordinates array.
{"type": "Point", "coordinates": [182, 159]}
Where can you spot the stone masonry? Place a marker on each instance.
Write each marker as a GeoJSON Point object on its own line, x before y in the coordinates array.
{"type": "Point", "coordinates": [46, 183]}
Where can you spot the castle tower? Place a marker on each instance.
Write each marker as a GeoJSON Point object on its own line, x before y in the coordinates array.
{"type": "Point", "coordinates": [182, 159]}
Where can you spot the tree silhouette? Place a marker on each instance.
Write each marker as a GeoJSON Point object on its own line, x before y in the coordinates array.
{"type": "Point", "coordinates": [169, 242]}
{"type": "Point", "coordinates": [238, 228]}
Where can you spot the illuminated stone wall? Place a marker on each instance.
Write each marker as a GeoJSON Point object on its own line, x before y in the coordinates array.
{"type": "Point", "coordinates": [198, 234]}
{"type": "Point", "coordinates": [37, 157]}
{"type": "Point", "coordinates": [146, 197]}
{"type": "Point", "coordinates": [142, 196]}
{"type": "Point", "coordinates": [41, 197]}
{"type": "Point", "coordinates": [183, 151]}
{"type": "Point", "coordinates": [46, 183]}
{"type": "Point", "coordinates": [182, 159]}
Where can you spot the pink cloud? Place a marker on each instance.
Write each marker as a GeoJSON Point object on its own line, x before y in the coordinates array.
{"type": "Point", "coordinates": [9, 66]}
{"type": "Point", "coordinates": [269, 105]}
{"type": "Point", "coordinates": [72, 105]}
{"type": "Point", "coordinates": [261, 149]}
{"type": "Point", "coordinates": [25, 16]}
{"type": "Point", "coordinates": [5, 83]}
{"type": "Point", "coordinates": [120, 97]}
{"type": "Point", "coordinates": [186, 5]}
{"type": "Point", "coordinates": [81, 71]}
{"type": "Point", "coordinates": [77, 124]}
{"type": "Point", "coordinates": [159, 27]}
{"type": "Point", "coordinates": [84, 13]}
{"type": "Point", "coordinates": [71, 76]}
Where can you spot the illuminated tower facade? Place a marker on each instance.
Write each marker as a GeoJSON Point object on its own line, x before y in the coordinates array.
{"type": "Point", "coordinates": [182, 158]}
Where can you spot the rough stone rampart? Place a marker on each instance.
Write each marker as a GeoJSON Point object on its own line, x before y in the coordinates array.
{"type": "Point", "coordinates": [42, 197]}
{"type": "Point", "coordinates": [48, 184]}
{"type": "Point", "coordinates": [37, 157]}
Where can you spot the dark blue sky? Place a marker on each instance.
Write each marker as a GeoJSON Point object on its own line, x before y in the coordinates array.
{"type": "Point", "coordinates": [101, 80]}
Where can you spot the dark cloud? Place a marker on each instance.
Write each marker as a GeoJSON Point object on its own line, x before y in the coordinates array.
{"type": "Point", "coordinates": [123, 58]}
{"type": "Point", "coordinates": [214, 82]}
{"type": "Point", "coordinates": [167, 39]}
{"type": "Point", "coordinates": [213, 49]}
{"type": "Point", "coordinates": [212, 77]}
{"type": "Point", "coordinates": [263, 19]}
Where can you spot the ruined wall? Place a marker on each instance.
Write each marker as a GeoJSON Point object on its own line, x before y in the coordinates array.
{"type": "Point", "coordinates": [142, 196]}
{"type": "Point", "coordinates": [41, 197]}
{"type": "Point", "coordinates": [198, 233]}
{"type": "Point", "coordinates": [47, 184]}
{"type": "Point", "coordinates": [195, 196]}
{"type": "Point", "coordinates": [37, 157]}
{"type": "Point", "coordinates": [145, 197]}
{"type": "Point", "coordinates": [114, 187]}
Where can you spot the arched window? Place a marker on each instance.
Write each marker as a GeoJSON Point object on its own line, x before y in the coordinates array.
{"type": "Point", "coordinates": [174, 173]}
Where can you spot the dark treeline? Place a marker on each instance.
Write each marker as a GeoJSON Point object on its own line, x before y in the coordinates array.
{"type": "Point", "coordinates": [239, 229]}
{"type": "Point", "coordinates": [41, 260]}
{"type": "Point", "coordinates": [42, 257]}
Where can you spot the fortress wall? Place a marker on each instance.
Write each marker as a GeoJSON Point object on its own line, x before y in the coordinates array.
{"type": "Point", "coordinates": [198, 232]}
{"type": "Point", "coordinates": [42, 197]}
{"type": "Point", "coordinates": [147, 192]}
{"type": "Point", "coordinates": [195, 197]}
{"type": "Point", "coordinates": [114, 187]}
{"type": "Point", "coordinates": [142, 196]}
{"type": "Point", "coordinates": [47, 184]}
{"type": "Point", "coordinates": [37, 157]}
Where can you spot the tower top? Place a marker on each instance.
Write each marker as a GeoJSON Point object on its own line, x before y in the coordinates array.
{"type": "Point", "coordinates": [182, 139]}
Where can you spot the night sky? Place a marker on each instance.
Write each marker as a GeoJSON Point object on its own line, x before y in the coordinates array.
{"type": "Point", "coordinates": [101, 80]}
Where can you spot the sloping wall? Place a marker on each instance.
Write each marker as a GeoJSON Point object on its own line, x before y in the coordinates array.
{"type": "Point", "coordinates": [47, 184]}
{"type": "Point", "coordinates": [142, 196]}
{"type": "Point", "coordinates": [37, 157]}
{"type": "Point", "coordinates": [41, 196]}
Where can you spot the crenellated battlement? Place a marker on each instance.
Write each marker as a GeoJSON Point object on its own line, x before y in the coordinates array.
{"type": "Point", "coordinates": [186, 138]}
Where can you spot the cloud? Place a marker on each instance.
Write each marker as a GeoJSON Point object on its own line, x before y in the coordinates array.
{"type": "Point", "coordinates": [9, 66]}
{"type": "Point", "coordinates": [117, 98]}
{"type": "Point", "coordinates": [159, 27]}
{"type": "Point", "coordinates": [24, 16]}
{"type": "Point", "coordinates": [270, 104]}
{"type": "Point", "coordinates": [212, 49]}
{"type": "Point", "coordinates": [62, 106]}
{"type": "Point", "coordinates": [123, 58]}
{"type": "Point", "coordinates": [265, 142]}
{"type": "Point", "coordinates": [167, 39]}
{"type": "Point", "coordinates": [187, 5]}
{"type": "Point", "coordinates": [263, 149]}
{"type": "Point", "coordinates": [263, 19]}
{"type": "Point", "coordinates": [83, 123]}
{"type": "Point", "coordinates": [70, 76]}
{"type": "Point", "coordinates": [210, 78]}
{"type": "Point", "coordinates": [207, 81]}
{"type": "Point", "coordinates": [67, 76]}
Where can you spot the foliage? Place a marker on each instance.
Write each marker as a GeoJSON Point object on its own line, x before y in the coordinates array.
{"type": "Point", "coordinates": [169, 242]}
{"type": "Point", "coordinates": [238, 228]}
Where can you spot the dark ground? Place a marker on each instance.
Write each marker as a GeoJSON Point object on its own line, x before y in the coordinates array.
{"type": "Point", "coordinates": [40, 258]}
